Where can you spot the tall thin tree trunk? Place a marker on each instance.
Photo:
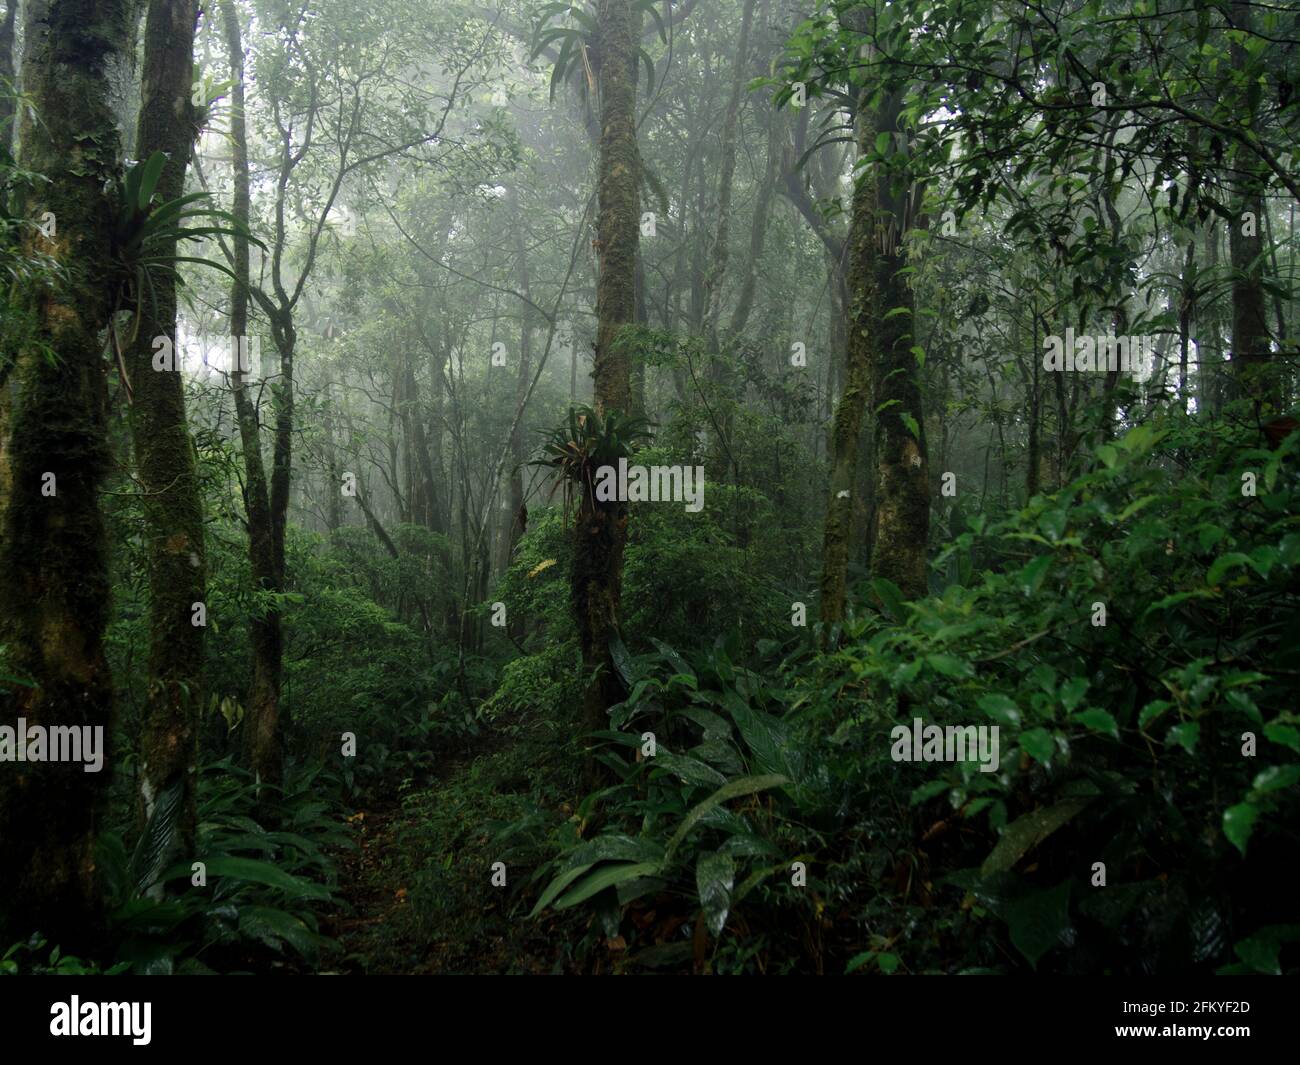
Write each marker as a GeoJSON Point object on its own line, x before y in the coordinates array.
{"type": "Point", "coordinates": [515, 519]}
{"type": "Point", "coordinates": [164, 452]}
{"type": "Point", "coordinates": [859, 344]}
{"type": "Point", "coordinates": [601, 527]}
{"type": "Point", "coordinates": [902, 515]}
{"type": "Point", "coordinates": [8, 90]}
{"type": "Point", "coordinates": [717, 268]}
{"type": "Point", "coordinates": [263, 741]}
{"type": "Point", "coordinates": [1250, 337]}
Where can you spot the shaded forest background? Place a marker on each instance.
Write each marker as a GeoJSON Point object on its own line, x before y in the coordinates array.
{"type": "Point", "coordinates": [321, 317]}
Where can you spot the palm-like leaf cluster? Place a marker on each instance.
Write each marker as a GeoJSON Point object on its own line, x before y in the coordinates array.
{"type": "Point", "coordinates": [585, 442]}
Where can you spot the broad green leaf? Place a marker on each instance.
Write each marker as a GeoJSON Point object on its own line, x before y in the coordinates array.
{"type": "Point", "coordinates": [1000, 708]}
{"type": "Point", "coordinates": [1098, 720]}
{"type": "Point", "coordinates": [1185, 735]}
{"type": "Point", "coordinates": [715, 875]}
{"type": "Point", "coordinates": [1239, 823]}
{"type": "Point", "coordinates": [1039, 743]}
{"type": "Point", "coordinates": [734, 789]}
{"type": "Point", "coordinates": [605, 877]}
{"type": "Point", "coordinates": [1028, 831]}
{"type": "Point", "coordinates": [1037, 920]}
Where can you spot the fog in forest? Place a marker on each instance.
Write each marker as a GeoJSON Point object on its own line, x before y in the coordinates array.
{"type": "Point", "coordinates": [625, 486]}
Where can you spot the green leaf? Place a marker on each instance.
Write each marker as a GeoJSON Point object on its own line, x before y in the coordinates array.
{"type": "Point", "coordinates": [688, 769]}
{"type": "Point", "coordinates": [622, 660]}
{"type": "Point", "coordinates": [678, 663]}
{"type": "Point", "coordinates": [764, 735]}
{"type": "Point", "coordinates": [1260, 951]}
{"type": "Point", "coordinates": [1028, 831]}
{"type": "Point", "coordinates": [1040, 745]}
{"type": "Point", "coordinates": [605, 877]}
{"type": "Point", "coordinates": [1276, 777]}
{"type": "Point", "coordinates": [950, 665]}
{"type": "Point", "coordinates": [924, 792]}
{"type": "Point", "coordinates": [1134, 507]}
{"type": "Point", "coordinates": [715, 875]}
{"type": "Point", "coordinates": [1185, 735]}
{"type": "Point", "coordinates": [1036, 920]}
{"type": "Point", "coordinates": [271, 926]}
{"type": "Point", "coordinates": [253, 871]}
{"type": "Point", "coordinates": [1000, 708]}
{"type": "Point", "coordinates": [1152, 711]}
{"type": "Point", "coordinates": [1223, 564]}
{"type": "Point", "coordinates": [1283, 734]}
{"type": "Point", "coordinates": [734, 789]}
{"type": "Point", "coordinates": [1072, 692]}
{"type": "Point", "coordinates": [891, 596]}
{"type": "Point", "coordinates": [1098, 720]}
{"type": "Point", "coordinates": [1031, 577]}
{"type": "Point", "coordinates": [557, 885]}
{"type": "Point", "coordinates": [1239, 823]}
{"type": "Point", "coordinates": [155, 844]}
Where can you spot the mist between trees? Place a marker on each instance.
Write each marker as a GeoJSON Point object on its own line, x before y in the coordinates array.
{"type": "Point", "coordinates": [534, 487]}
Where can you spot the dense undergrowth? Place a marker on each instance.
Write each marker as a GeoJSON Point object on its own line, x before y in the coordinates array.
{"type": "Point", "coordinates": [1135, 638]}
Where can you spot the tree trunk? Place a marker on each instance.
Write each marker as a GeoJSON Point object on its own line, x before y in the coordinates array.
{"type": "Point", "coordinates": [717, 270]}
{"type": "Point", "coordinates": [263, 742]}
{"type": "Point", "coordinates": [601, 527]}
{"type": "Point", "coordinates": [1250, 337]}
{"type": "Point", "coordinates": [859, 344]}
{"type": "Point", "coordinates": [164, 452]}
{"type": "Point", "coordinates": [515, 518]}
{"type": "Point", "coordinates": [54, 585]}
{"type": "Point", "coordinates": [902, 515]}
{"type": "Point", "coordinates": [8, 109]}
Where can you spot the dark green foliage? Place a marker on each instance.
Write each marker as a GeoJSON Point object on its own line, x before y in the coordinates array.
{"type": "Point", "coordinates": [1121, 744]}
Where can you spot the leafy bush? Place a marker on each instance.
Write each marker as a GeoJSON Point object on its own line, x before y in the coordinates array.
{"type": "Point", "coordinates": [265, 886]}
{"type": "Point", "coordinates": [1162, 744]}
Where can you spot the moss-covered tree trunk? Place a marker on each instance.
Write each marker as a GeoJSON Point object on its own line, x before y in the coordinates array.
{"type": "Point", "coordinates": [54, 588]}
{"type": "Point", "coordinates": [902, 512]}
{"type": "Point", "coordinates": [601, 527]}
{"type": "Point", "coordinates": [859, 343]}
{"type": "Point", "coordinates": [8, 38]}
{"type": "Point", "coordinates": [164, 452]}
{"type": "Point", "coordinates": [263, 743]}
{"type": "Point", "coordinates": [880, 363]}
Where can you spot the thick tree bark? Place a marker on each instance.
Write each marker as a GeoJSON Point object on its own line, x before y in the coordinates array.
{"type": "Point", "coordinates": [902, 514]}
{"type": "Point", "coordinates": [860, 343]}
{"type": "Point", "coordinates": [601, 527]}
{"type": "Point", "coordinates": [880, 361]}
{"type": "Point", "coordinates": [164, 452]}
{"type": "Point", "coordinates": [54, 587]}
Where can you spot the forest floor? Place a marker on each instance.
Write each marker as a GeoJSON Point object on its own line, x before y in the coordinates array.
{"type": "Point", "coordinates": [416, 889]}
